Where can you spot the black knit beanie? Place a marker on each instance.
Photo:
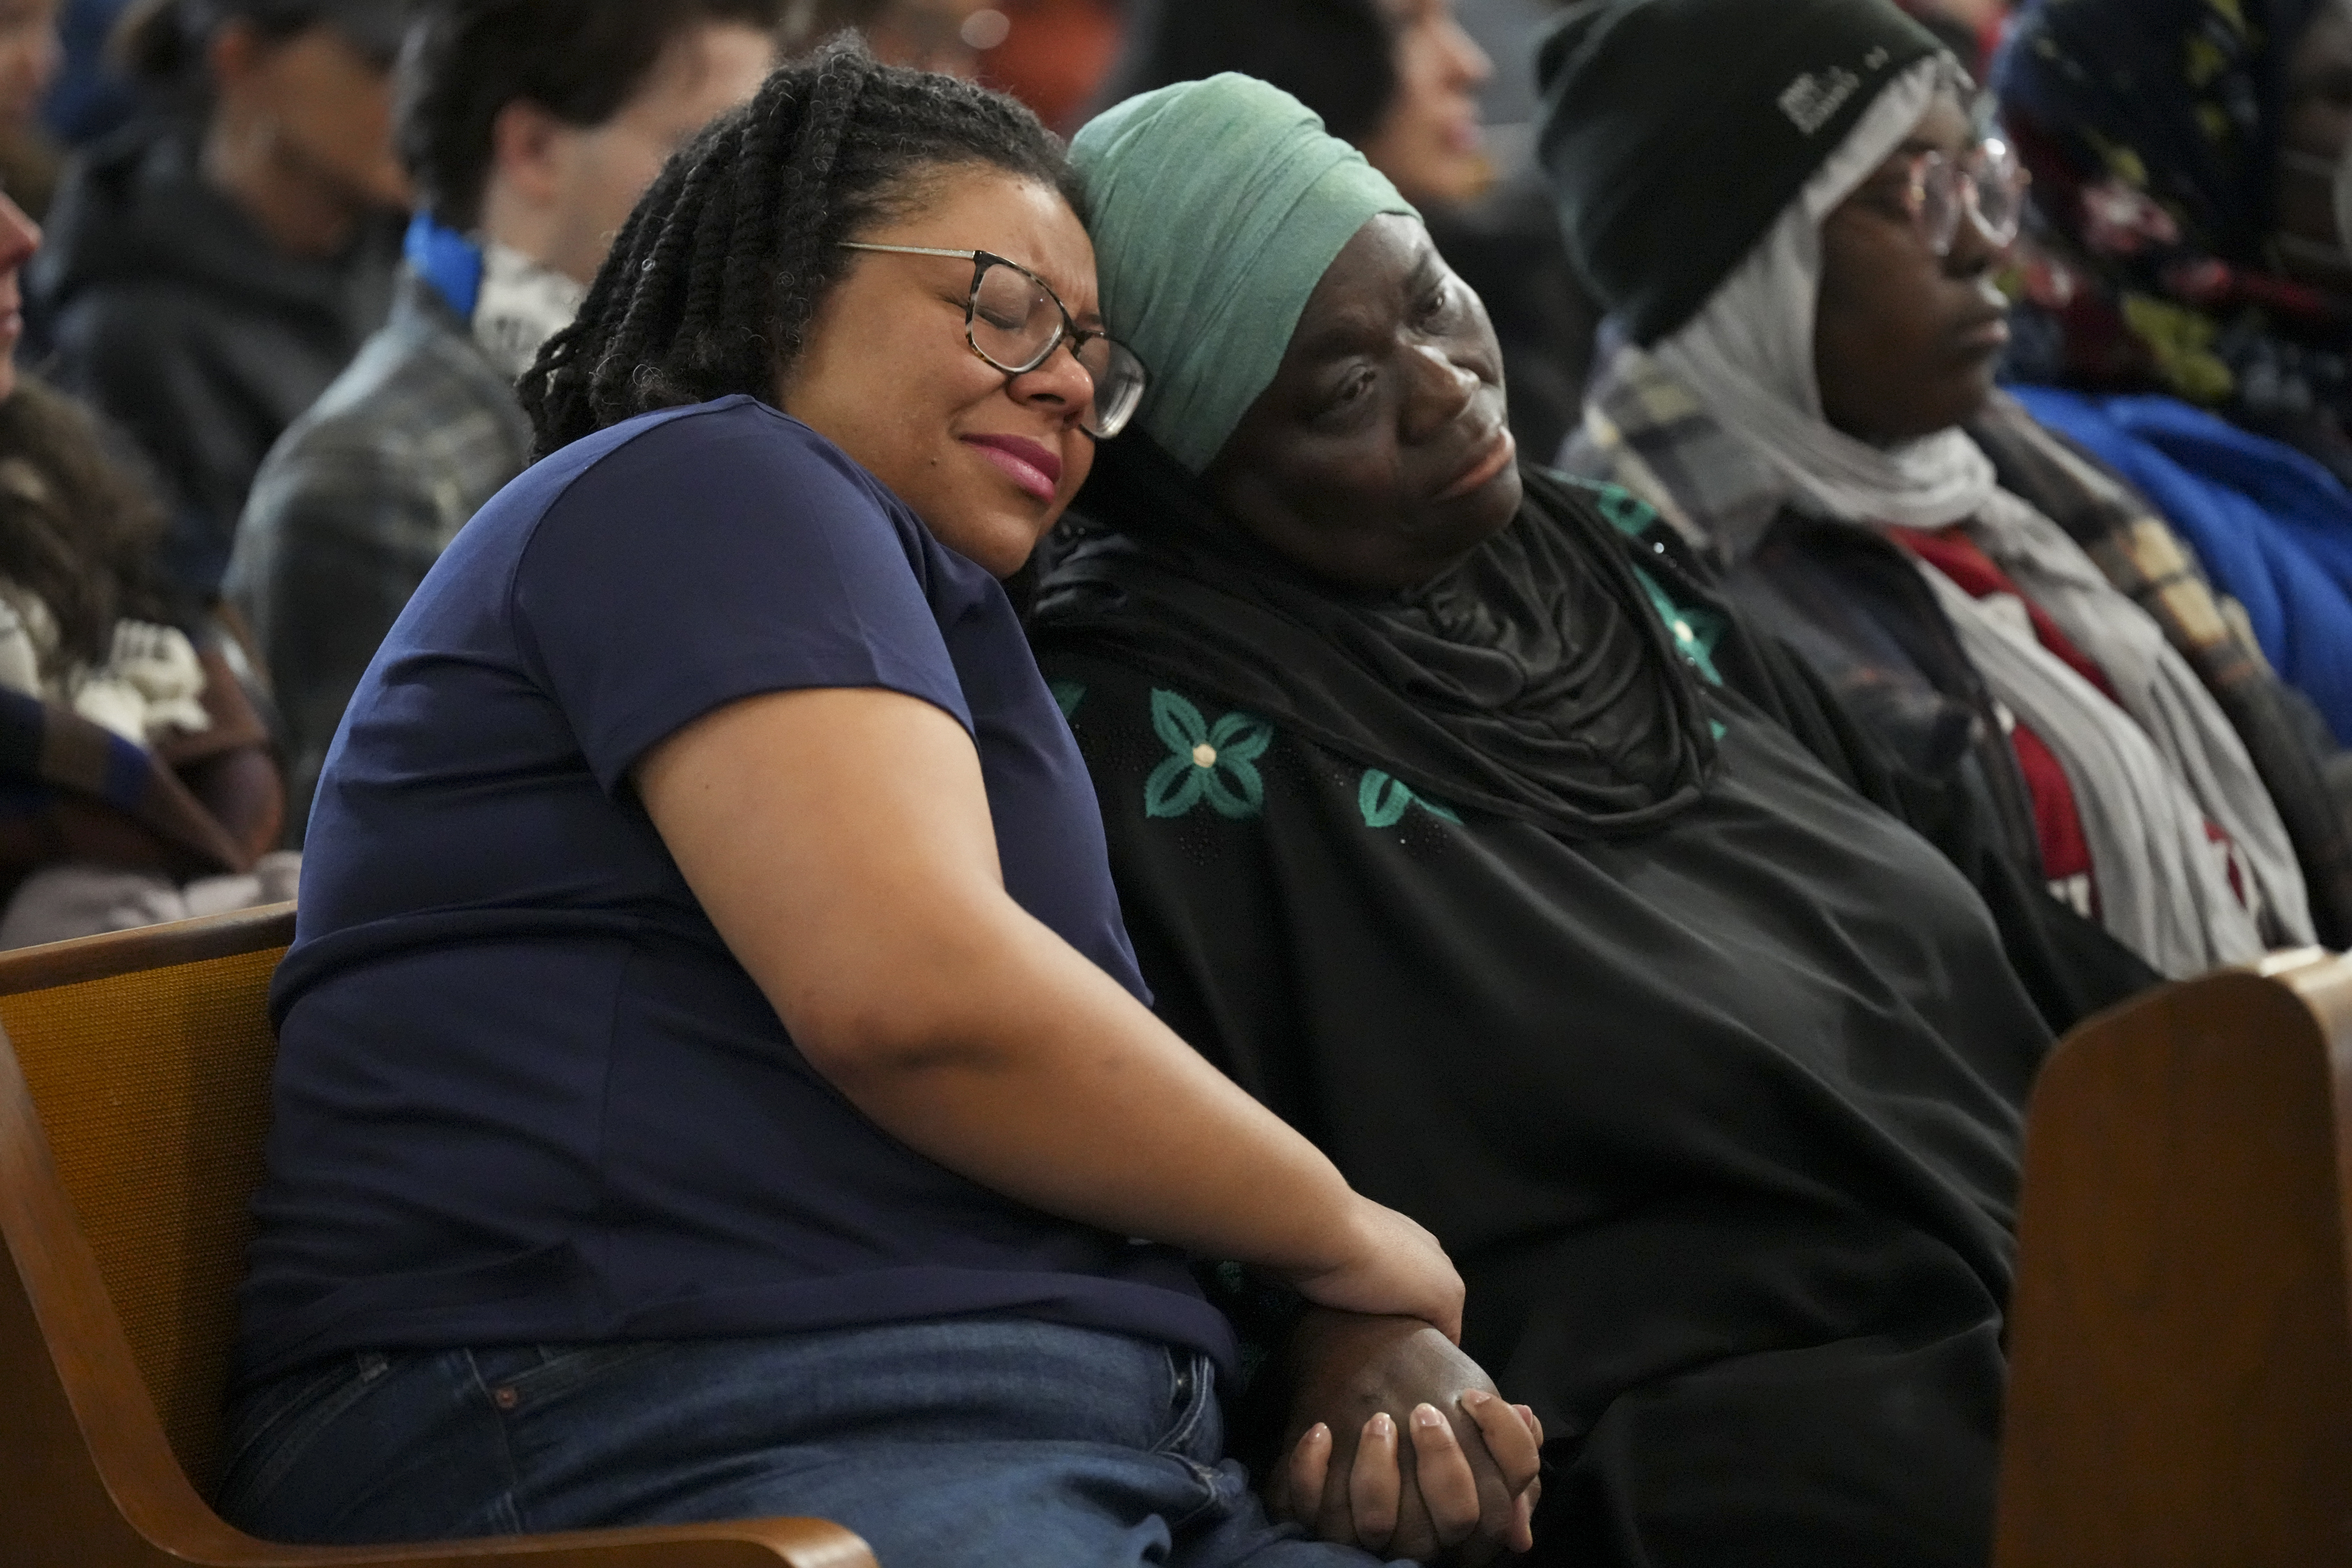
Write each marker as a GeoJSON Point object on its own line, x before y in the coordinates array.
{"type": "Point", "coordinates": [1675, 133]}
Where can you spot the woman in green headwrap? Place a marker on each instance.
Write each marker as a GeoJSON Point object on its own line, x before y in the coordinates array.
{"type": "Point", "coordinates": [1456, 820]}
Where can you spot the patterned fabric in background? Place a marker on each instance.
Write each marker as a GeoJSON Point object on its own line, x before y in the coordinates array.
{"type": "Point", "coordinates": [72, 791]}
{"type": "Point", "coordinates": [2151, 130]}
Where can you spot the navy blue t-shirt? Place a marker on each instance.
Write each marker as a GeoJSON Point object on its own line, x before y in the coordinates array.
{"type": "Point", "coordinates": [524, 1093]}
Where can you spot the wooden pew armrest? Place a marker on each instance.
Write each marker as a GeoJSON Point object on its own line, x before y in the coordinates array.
{"type": "Point", "coordinates": [745, 1544]}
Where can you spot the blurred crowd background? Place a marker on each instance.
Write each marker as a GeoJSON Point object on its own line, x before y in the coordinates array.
{"type": "Point", "coordinates": [272, 279]}
{"type": "Point", "coordinates": [1442, 103]}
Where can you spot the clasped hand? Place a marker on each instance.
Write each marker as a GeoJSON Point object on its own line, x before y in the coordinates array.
{"type": "Point", "coordinates": [1398, 1443]}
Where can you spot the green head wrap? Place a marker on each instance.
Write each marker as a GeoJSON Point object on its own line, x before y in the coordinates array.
{"type": "Point", "coordinates": [1217, 206]}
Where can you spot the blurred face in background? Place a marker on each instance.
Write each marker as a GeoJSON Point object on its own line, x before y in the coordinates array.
{"type": "Point", "coordinates": [2313, 132]}
{"type": "Point", "coordinates": [29, 57]}
{"type": "Point", "coordinates": [1429, 143]}
{"type": "Point", "coordinates": [586, 179]}
{"type": "Point", "coordinates": [19, 238]}
{"type": "Point", "coordinates": [311, 109]}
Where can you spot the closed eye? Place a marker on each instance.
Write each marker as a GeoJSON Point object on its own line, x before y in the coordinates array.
{"type": "Point", "coordinates": [1888, 197]}
{"type": "Point", "coordinates": [999, 317]}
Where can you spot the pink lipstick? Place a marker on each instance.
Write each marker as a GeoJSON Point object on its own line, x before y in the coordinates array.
{"type": "Point", "coordinates": [1032, 465]}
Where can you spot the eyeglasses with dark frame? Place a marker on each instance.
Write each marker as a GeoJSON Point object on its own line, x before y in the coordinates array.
{"type": "Point", "coordinates": [1006, 322]}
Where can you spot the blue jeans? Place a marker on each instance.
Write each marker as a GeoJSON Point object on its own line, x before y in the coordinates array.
{"type": "Point", "coordinates": [975, 1440]}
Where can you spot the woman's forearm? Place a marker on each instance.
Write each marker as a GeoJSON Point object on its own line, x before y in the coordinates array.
{"type": "Point", "coordinates": [841, 843]}
{"type": "Point", "coordinates": [1018, 1063]}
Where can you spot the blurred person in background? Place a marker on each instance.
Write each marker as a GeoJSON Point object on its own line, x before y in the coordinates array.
{"type": "Point", "coordinates": [137, 782]}
{"type": "Point", "coordinates": [530, 128]}
{"type": "Point", "coordinates": [1507, 30]}
{"type": "Point", "coordinates": [2188, 297]}
{"type": "Point", "coordinates": [213, 265]}
{"type": "Point", "coordinates": [91, 97]}
{"type": "Point", "coordinates": [1797, 228]}
{"type": "Point", "coordinates": [921, 35]}
{"type": "Point", "coordinates": [1970, 29]}
{"type": "Point", "coordinates": [30, 57]}
{"type": "Point", "coordinates": [1054, 55]}
{"type": "Point", "coordinates": [1400, 79]}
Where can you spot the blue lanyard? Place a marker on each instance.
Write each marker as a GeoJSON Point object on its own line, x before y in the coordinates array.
{"type": "Point", "coordinates": [447, 260]}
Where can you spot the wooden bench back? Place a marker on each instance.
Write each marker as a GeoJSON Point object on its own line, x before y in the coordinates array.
{"type": "Point", "coordinates": [133, 1104]}
{"type": "Point", "coordinates": [148, 1056]}
{"type": "Point", "coordinates": [2180, 1339]}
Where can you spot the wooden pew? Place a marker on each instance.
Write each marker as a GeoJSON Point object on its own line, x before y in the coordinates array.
{"type": "Point", "coordinates": [2181, 1333]}
{"type": "Point", "coordinates": [2180, 1339]}
{"type": "Point", "coordinates": [134, 1097]}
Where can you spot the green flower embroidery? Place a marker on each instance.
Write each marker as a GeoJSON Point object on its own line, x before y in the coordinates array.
{"type": "Point", "coordinates": [1068, 695]}
{"type": "Point", "coordinates": [1217, 764]}
{"type": "Point", "coordinates": [1384, 801]}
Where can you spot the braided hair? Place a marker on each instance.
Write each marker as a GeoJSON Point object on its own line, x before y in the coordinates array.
{"type": "Point", "coordinates": [712, 284]}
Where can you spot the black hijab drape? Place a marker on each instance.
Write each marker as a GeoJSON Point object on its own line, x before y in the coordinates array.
{"type": "Point", "coordinates": [1534, 681]}
{"type": "Point", "coordinates": [1531, 680]}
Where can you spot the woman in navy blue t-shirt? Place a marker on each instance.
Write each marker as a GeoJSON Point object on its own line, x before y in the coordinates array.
{"type": "Point", "coordinates": [714, 1079]}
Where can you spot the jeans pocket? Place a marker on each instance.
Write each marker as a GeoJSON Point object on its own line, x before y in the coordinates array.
{"type": "Point", "coordinates": [516, 1379]}
{"type": "Point", "coordinates": [273, 1425]}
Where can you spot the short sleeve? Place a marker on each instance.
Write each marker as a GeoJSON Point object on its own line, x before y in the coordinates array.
{"type": "Point", "coordinates": [715, 556]}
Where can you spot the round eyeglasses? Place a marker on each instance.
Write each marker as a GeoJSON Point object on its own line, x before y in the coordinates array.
{"type": "Point", "coordinates": [1014, 321]}
{"type": "Point", "coordinates": [1986, 185]}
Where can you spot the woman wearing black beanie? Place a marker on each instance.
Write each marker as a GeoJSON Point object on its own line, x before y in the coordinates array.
{"type": "Point", "coordinates": [1795, 227]}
